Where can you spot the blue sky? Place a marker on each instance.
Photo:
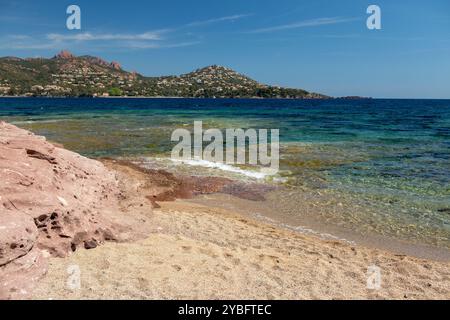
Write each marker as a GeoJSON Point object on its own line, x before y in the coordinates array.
{"type": "Point", "coordinates": [319, 45]}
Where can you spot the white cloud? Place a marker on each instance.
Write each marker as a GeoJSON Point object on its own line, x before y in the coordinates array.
{"type": "Point", "coordinates": [59, 45]}
{"type": "Point", "coordinates": [19, 37]}
{"type": "Point", "coordinates": [147, 45]}
{"type": "Point", "coordinates": [150, 35]}
{"type": "Point", "coordinates": [156, 39]}
{"type": "Point", "coordinates": [87, 36]}
{"type": "Point", "coordinates": [30, 46]}
{"type": "Point", "coordinates": [303, 24]}
{"type": "Point", "coordinates": [221, 19]}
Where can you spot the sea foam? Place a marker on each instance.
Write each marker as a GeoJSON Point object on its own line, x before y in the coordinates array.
{"type": "Point", "coordinates": [224, 167]}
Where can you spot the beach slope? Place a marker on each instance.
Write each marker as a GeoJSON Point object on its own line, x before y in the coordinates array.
{"type": "Point", "coordinates": [201, 252]}
{"type": "Point", "coordinates": [131, 233]}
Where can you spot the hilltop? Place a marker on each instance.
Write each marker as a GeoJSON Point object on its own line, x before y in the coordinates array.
{"type": "Point", "coordinates": [70, 76]}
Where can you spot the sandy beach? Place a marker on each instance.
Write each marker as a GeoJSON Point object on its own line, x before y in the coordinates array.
{"type": "Point", "coordinates": [200, 252]}
{"type": "Point", "coordinates": [135, 233]}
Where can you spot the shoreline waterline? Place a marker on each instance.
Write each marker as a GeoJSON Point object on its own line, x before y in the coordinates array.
{"type": "Point", "coordinates": [323, 211]}
{"type": "Point", "coordinates": [268, 210]}
{"type": "Point", "coordinates": [315, 228]}
{"type": "Point", "coordinates": [373, 166]}
{"type": "Point", "coordinates": [150, 240]}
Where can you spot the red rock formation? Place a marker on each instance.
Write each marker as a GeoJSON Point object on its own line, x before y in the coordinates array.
{"type": "Point", "coordinates": [52, 202]}
{"type": "Point", "coordinates": [97, 60]}
{"type": "Point", "coordinates": [18, 234]}
{"type": "Point", "coordinates": [115, 65]}
{"type": "Point", "coordinates": [64, 54]}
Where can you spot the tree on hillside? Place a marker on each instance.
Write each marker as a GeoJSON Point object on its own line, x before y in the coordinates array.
{"type": "Point", "coordinates": [115, 92]}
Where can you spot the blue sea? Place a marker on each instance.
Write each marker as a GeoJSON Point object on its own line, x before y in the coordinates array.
{"type": "Point", "coordinates": [385, 164]}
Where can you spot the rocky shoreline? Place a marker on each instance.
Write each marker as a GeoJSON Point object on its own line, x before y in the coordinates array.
{"type": "Point", "coordinates": [55, 206]}
{"type": "Point", "coordinates": [52, 203]}
{"type": "Point", "coordinates": [55, 202]}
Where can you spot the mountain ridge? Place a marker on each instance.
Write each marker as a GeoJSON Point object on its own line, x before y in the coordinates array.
{"type": "Point", "coordinates": [70, 76]}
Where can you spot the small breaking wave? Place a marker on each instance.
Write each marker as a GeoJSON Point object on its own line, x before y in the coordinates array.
{"type": "Point", "coordinates": [38, 121]}
{"type": "Point", "coordinates": [225, 167]}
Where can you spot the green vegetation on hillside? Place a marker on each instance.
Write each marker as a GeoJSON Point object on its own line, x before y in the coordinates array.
{"type": "Point", "coordinates": [67, 75]}
{"type": "Point", "coordinates": [115, 92]}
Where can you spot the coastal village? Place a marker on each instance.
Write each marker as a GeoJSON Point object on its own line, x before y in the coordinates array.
{"type": "Point", "coordinates": [66, 75]}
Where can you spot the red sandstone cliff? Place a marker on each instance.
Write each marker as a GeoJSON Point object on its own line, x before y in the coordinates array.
{"type": "Point", "coordinates": [53, 202]}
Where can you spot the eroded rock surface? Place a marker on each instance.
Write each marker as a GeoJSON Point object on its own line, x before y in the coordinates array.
{"type": "Point", "coordinates": [53, 202]}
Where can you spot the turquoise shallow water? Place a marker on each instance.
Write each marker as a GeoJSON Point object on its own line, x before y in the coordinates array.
{"type": "Point", "coordinates": [386, 161]}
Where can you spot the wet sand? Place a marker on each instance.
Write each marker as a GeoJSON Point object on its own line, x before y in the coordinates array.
{"type": "Point", "coordinates": [313, 225]}
{"type": "Point", "coordinates": [198, 250]}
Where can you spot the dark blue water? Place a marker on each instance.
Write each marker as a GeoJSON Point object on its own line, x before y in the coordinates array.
{"type": "Point", "coordinates": [391, 156]}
